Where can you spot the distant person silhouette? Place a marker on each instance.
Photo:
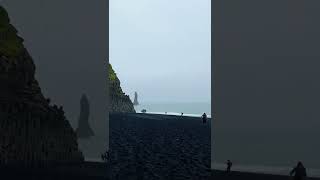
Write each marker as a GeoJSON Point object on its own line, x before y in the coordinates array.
{"type": "Point", "coordinates": [105, 156]}
{"type": "Point", "coordinates": [229, 165]}
{"type": "Point", "coordinates": [204, 118]}
{"type": "Point", "coordinates": [182, 114]}
{"type": "Point", "coordinates": [299, 172]}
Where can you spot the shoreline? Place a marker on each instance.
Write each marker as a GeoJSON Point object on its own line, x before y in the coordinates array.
{"type": "Point", "coordinates": [175, 114]}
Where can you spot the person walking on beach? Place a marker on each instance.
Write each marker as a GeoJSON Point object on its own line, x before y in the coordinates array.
{"type": "Point", "coordinates": [105, 156]}
{"type": "Point", "coordinates": [204, 118]}
{"type": "Point", "coordinates": [229, 165]}
{"type": "Point", "coordinates": [299, 172]}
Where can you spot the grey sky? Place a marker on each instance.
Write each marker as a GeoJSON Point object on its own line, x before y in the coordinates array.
{"type": "Point", "coordinates": [161, 48]}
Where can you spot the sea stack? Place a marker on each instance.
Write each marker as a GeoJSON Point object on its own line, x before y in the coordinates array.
{"type": "Point", "coordinates": [84, 130]}
{"type": "Point", "coordinates": [135, 102]}
{"type": "Point", "coordinates": [33, 132]}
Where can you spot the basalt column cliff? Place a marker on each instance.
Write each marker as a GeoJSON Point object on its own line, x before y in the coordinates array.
{"type": "Point", "coordinates": [119, 102]}
{"type": "Point", "coordinates": [33, 132]}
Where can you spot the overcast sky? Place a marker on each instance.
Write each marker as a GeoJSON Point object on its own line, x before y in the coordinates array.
{"type": "Point", "coordinates": [162, 48]}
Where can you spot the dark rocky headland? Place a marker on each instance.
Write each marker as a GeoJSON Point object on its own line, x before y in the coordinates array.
{"type": "Point", "coordinates": [119, 101]}
{"type": "Point", "coordinates": [33, 132]}
{"type": "Point", "coordinates": [36, 139]}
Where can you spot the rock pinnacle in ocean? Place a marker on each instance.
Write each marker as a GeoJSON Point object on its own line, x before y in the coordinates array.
{"type": "Point", "coordinates": [84, 130]}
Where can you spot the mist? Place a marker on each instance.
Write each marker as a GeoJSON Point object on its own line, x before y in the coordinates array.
{"type": "Point", "coordinates": [161, 49]}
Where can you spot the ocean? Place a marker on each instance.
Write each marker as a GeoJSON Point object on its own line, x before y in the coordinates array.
{"type": "Point", "coordinates": [194, 109]}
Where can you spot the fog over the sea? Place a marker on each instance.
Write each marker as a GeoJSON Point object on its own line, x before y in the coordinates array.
{"type": "Point", "coordinates": [161, 48]}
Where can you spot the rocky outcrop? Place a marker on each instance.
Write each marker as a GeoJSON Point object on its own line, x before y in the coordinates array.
{"type": "Point", "coordinates": [33, 132]}
{"type": "Point", "coordinates": [119, 101]}
{"type": "Point", "coordinates": [84, 130]}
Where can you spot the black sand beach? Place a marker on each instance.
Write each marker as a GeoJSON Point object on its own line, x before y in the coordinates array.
{"type": "Point", "coordinates": [149, 146]}
{"type": "Point", "coordinates": [145, 146]}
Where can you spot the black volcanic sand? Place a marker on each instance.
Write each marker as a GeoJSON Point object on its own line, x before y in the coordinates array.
{"type": "Point", "coordinates": [145, 146]}
{"type": "Point", "coordinates": [165, 147]}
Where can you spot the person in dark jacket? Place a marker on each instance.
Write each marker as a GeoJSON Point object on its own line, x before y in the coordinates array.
{"type": "Point", "coordinates": [229, 165]}
{"type": "Point", "coordinates": [299, 172]}
{"type": "Point", "coordinates": [204, 118]}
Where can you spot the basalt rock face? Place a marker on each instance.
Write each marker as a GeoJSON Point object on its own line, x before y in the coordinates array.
{"type": "Point", "coordinates": [33, 132]}
{"type": "Point", "coordinates": [119, 101]}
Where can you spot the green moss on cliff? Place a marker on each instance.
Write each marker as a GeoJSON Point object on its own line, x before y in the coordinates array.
{"type": "Point", "coordinates": [10, 43]}
{"type": "Point", "coordinates": [112, 74]}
